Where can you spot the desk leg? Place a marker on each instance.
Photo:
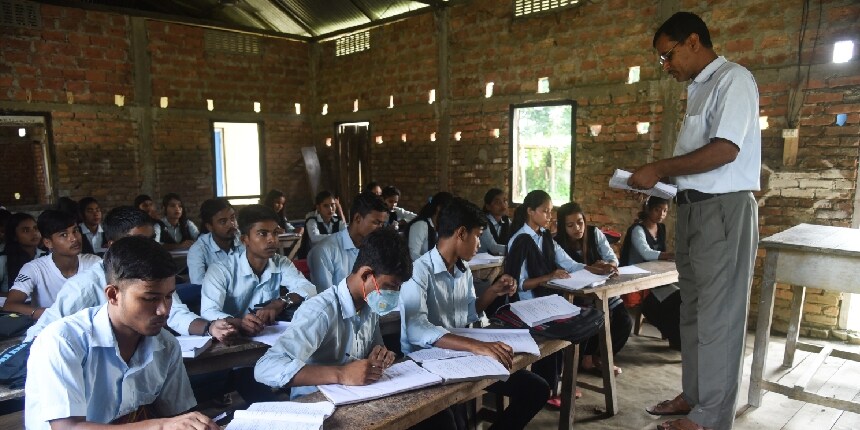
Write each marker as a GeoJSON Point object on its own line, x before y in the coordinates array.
{"type": "Point", "coordinates": [568, 387]}
{"type": "Point", "coordinates": [762, 329]}
{"type": "Point", "coordinates": [607, 359]}
{"type": "Point", "coordinates": [798, 296]}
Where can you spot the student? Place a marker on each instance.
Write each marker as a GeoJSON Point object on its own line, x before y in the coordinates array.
{"type": "Point", "coordinates": [495, 237]}
{"type": "Point", "coordinates": [245, 288]}
{"type": "Point", "coordinates": [326, 220]}
{"type": "Point", "coordinates": [145, 203]}
{"type": "Point", "coordinates": [86, 289]}
{"type": "Point", "coordinates": [586, 244]}
{"type": "Point", "coordinates": [334, 338]}
{"type": "Point", "coordinates": [331, 260]}
{"type": "Point", "coordinates": [22, 246]}
{"type": "Point", "coordinates": [441, 296]}
{"type": "Point", "coordinates": [372, 187]}
{"type": "Point", "coordinates": [91, 226]}
{"type": "Point", "coordinates": [181, 232]}
{"type": "Point", "coordinates": [646, 241]}
{"type": "Point", "coordinates": [218, 240]}
{"type": "Point", "coordinates": [115, 363]}
{"type": "Point", "coordinates": [39, 281]}
{"type": "Point", "coordinates": [397, 216]}
{"type": "Point", "coordinates": [69, 206]}
{"type": "Point", "coordinates": [422, 229]}
{"type": "Point", "coordinates": [277, 200]}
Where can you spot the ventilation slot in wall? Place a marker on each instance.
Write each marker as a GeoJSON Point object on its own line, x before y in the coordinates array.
{"type": "Point", "coordinates": [20, 14]}
{"type": "Point", "coordinates": [352, 43]}
{"type": "Point", "coordinates": [233, 43]}
{"type": "Point", "coordinates": [530, 7]}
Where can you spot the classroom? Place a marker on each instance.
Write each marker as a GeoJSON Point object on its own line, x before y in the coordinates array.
{"type": "Point", "coordinates": [272, 147]}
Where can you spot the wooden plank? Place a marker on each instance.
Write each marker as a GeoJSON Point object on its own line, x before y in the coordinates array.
{"type": "Point", "coordinates": [847, 355]}
{"type": "Point", "coordinates": [762, 330]}
{"type": "Point", "coordinates": [789, 151]}
{"type": "Point", "coordinates": [816, 239]}
{"type": "Point", "coordinates": [825, 271]}
{"type": "Point", "coordinates": [798, 296]}
{"type": "Point", "coordinates": [824, 412]}
{"type": "Point", "coordinates": [610, 392]}
{"type": "Point", "coordinates": [848, 420]}
{"type": "Point", "coordinates": [568, 396]}
{"type": "Point", "coordinates": [813, 367]}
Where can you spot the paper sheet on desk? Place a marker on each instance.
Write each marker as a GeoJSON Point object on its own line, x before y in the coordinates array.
{"type": "Point", "coordinates": [430, 354]}
{"type": "Point", "coordinates": [632, 270]}
{"type": "Point", "coordinates": [485, 258]}
{"type": "Point", "coordinates": [537, 311]}
{"type": "Point", "coordinates": [282, 415]}
{"type": "Point", "coordinates": [470, 368]}
{"type": "Point", "coordinates": [404, 376]}
{"type": "Point", "coordinates": [661, 190]}
{"type": "Point", "coordinates": [579, 280]}
{"type": "Point", "coordinates": [519, 340]}
{"type": "Point", "coordinates": [271, 333]}
{"type": "Point", "coordinates": [192, 346]}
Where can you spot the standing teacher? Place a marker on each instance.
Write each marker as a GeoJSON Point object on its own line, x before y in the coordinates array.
{"type": "Point", "coordinates": [716, 166]}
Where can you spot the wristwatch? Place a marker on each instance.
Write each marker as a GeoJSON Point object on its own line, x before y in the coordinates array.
{"type": "Point", "coordinates": [206, 329]}
{"type": "Point", "coordinates": [286, 299]}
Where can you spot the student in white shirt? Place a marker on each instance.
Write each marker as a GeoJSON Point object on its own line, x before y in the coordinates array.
{"type": "Point", "coordinates": [321, 223]}
{"type": "Point", "coordinates": [422, 229]}
{"type": "Point", "coordinates": [218, 240]}
{"type": "Point", "coordinates": [115, 364]}
{"type": "Point", "coordinates": [495, 237]}
{"type": "Point", "coordinates": [39, 281]}
{"type": "Point", "coordinates": [91, 226]}
{"type": "Point", "coordinates": [22, 246]}
{"type": "Point", "coordinates": [181, 232]}
{"type": "Point", "coordinates": [397, 216]}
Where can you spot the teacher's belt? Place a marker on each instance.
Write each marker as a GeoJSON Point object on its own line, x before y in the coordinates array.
{"type": "Point", "coordinates": [693, 196]}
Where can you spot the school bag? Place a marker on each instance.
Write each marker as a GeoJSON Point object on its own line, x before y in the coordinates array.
{"type": "Point", "coordinates": [574, 329]}
{"type": "Point", "coordinates": [13, 365]}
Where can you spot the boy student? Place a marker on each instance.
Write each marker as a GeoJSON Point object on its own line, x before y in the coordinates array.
{"type": "Point", "coordinates": [332, 259]}
{"type": "Point", "coordinates": [397, 216]}
{"type": "Point", "coordinates": [245, 288]}
{"type": "Point", "coordinates": [37, 284]}
{"type": "Point", "coordinates": [334, 337]}
{"type": "Point", "coordinates": [218, 239]}
{"type": "Point", "coordinates": [86, 289]}
{"type": "Point", "coordinates": [441, 296]}
{"type": "Point", "coordinates": [91, 226]}
{"type": "Point", "coordinates": [115, 364]}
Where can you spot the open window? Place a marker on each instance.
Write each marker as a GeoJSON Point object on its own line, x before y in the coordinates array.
{"type": "Point", "coordinates": [238, 162]}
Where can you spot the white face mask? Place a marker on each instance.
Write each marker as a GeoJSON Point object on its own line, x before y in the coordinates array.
{"type": "Point", "coordinates": [382, 302]}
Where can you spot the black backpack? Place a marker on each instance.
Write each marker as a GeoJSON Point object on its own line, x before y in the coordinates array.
{"type": "Point", "coordinates": [574, 329]}
{"type": "Point", "coordinates": [13, 365]}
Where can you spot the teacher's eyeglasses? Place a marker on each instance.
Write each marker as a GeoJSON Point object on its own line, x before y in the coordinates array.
{"type": "Point", "coordinates": [664, 58]}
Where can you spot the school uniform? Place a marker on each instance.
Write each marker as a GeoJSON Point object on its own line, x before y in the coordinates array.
{"type": "Point", "coordinates": [4, 272]}
{"type": "Point", "coordinates": [41, 279]}
{"type": "Point", "coordinates": [205, 252]}
{"type": "Point", "coordinates": [398, 215]}
{"type": "Point", "coordinates": [174, 233]}
{"type": "Point", "coordinates": [231, 287]}
{"type": "Point", "coordinates": [331, 260]}
{"type": "Point", "coordinates": [561, 259]}
{"type": "Point", "coordinates": [422, 237]}
{"type": "Point", "coordinates": [97, 239]}
{"type": "Point", "coordinates": [434, 301]}
{"type": "Point", "coordinates": [317, 229]}
{"type": "Point", "coordinates": [75, 369]}
{"type": "Point", "coordinates": [494, 238]}
{"type": "Point", "coordinates": [326, 330]}
{"type": "Point", "coordinates": [87, 289]}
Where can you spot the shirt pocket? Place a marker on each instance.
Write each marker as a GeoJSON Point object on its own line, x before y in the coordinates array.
{"type": "Point", "coordinates": [693, 134]}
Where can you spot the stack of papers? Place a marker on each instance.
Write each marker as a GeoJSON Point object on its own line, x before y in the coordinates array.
{"type": "Point", "coordinates": [485, 258]}
{"type": "Point", "coordinates": [282, 415]}
{"type": "Point", "coordinates": [661, 190]}
{"type": "Point", "coordinates": [519, 340]}
{"type": "Point", "coordinates": [537, 311]}
{"type": "Point", "coordinates": [632, 270]}
{"type": "Point", "coordinates": [192, 346]}
{"type": "Point", "coordinates": [579, 280]}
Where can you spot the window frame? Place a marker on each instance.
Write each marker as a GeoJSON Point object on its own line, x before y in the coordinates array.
{"type": "Point", "coordinates": [262, 161]}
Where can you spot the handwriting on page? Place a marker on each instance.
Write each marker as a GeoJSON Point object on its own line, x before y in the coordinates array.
{"type": "Point", "coordinates": [540, 310]}
{"type": "Point", "coordinates": [468, 368]}
{"type": "Point", "coordinates": [518, 340]}
{"type": "Point", "coordinates": [434, 353]}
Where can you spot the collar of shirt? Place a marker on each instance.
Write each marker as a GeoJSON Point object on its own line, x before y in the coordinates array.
{"type": "Point", "coordinates": [439, 265]}
{"type": "Point", "coordinates": [86, 230]}
{"type": "Point", "coordinates": [210, 242]}
{"type": "Point", "coordinates": [344, 298]}
{"type": "Point", "coordinates": [709, 70]}
{"type": "Point", "coordinates": [104, 337]}
{"type": "Point", "coordinates": [492, 220]}
{"type": "Point", "coordinates": [346, 241]}
{"type": "Point", "coordinates": [245, 269]}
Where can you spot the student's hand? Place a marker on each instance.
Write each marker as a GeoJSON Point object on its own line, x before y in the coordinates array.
{"type": "Point", "coordinates": [269, 313]}
{"type": "Point", "coordinates": [602, 268]}
{"type": "Point", "coordinates": [644, 177]}
{"type": "Point", "coordinates": [299, 231]}
{"type": "Point", "coordinates": [381, 356]}
{"type": "Point", "coordinates": [360, 372]}
{"type": "Point", "coordinates": [557, 274]}
{"type": "Point", "coordinates": [498, 350]}
{"type": "Point", "coordinates": [505, 285]}
{"type": "Point", "coordinates": [222, 330]}
{"type": "Point", "coordinates": [189, 421]}
{"type": "Point", "coordinates": [251, 325]}
{"type": "Point", "coordinates": [667, 256]}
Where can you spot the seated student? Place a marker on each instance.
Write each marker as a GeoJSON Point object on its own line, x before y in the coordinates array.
{"type": "Point", "coordinates": [245, 288]}
{"type": "Point", "coordinates": [646, 241]}
{"type": "Point", "coordinates": [218, 240]}
{"type": "Point", "coordinates": [181, 232]}
{"type": "Point", "coordinates": [397, 216]}
{"type": "Point", "coordinates": [115, 364]}
{"type": "Point", "coordinates": [422, 230]}
{"type": "Point", "coordinates": [147, 205]}
{"type": "Point", "coordinates": [372, 187]}
{"type": "Point", "coordinates": [86, 289]}
{"type": "Point", "coordinates": [334, 337]}
{"type": "Point", "coordinates": [22, 246]}
{"type": "Point", "coordinates": [39, 281]}
{"type": "Point", "coordinates": [495, 237]}
{"type": "Point", "coordinates": [332, 259]}
{"type": "Point", "coordinates": [441, 296]}
{"type": "Point", "coordinates": [277, 200]}
{"type": "Point", "coordinates": [326, 220]}
{"type": "Point", "coordinates": [588, 245]}
{"type": "Point", "coordinates": [91, 226]}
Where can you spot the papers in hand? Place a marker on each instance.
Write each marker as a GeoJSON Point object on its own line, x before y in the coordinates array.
{"type": "Point", "coordinates": [192, 346]}
{"type": "Point", "coordinates": [271, 333]}
{"type": "Point", "coordinates": [485, 258]}
{"type": "Point", "coordinates": [398, 378]}
{"type": "Point", "coordinates": [579, 280]}
{"type": "Point", "coordinates": [537, 311]}
{"type": "Point", "coordinates": [518, 340]}
{"type": "Point", "coordinates": [661, 190]}
{"type": "Point", "coordinates": [632, 270]}
{"type": "Point", "coordinates": [282, 415]}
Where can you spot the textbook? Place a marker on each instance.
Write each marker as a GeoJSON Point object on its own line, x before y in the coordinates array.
{"type": "Point", "coordinates": [537, 311]}
{"type": "Point", "coordinates": [282, 415]}
{"type": "Point", "coordinates": [520, 340]}
{"type": "Point", "coordinates": [192, 346]}
{"type": "Point", "coordinates": [661, 190]}
{"type": "Point", "coordinates": [579, 280]}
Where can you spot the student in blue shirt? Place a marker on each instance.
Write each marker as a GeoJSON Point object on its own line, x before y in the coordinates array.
{"type": "Point", "coordinates": [115, 363]}
{"type": "Point", "coordinates": [91, 225]}
{"type": "Point", "coordinates": [147, 205]}
{"type": "Point", "coordinates": [331, 260]}
{"type": "Point", "coordinates": [218, 239]}
{"type": "Point", "coordinates": [245, 288]}
{"type": "Point", "coordinates": [422, 230]}
{"type": "Point", "coordinates": [397, 216]}
{"type": "Point", "coordinates": [441, 296]}
{"type": "Point", "coordinates": [334, 338]}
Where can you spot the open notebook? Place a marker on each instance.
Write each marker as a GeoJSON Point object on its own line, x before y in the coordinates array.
{"type": "Point", "coordinates": [282, 415]}
{"type": "Point", "coordinates": [537, 311]}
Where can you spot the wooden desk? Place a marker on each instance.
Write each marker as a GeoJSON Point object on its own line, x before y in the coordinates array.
{"type": "Point", "coordinates": [404, 410]}
{"type": "Point", "coordinates": [180, 257]}
{"type": "Point", "coordinates": [7, 393]}
{"type": "Point", "coordinates": [662, 273]}
{"type": "Point", "coordinates": [291, 242]}
{"type": "Point", "coordinates": [803, 256]}
{"type": "Point", "coordinates": [487, 271]}
{"type": "Point", "coordinates": [239, 353]}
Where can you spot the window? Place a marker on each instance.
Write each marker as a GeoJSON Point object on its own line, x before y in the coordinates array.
{"type": "Point", "coordinates": [352, 43]}
{"type": "Point", "coordinates": [237, 161]}
{"type": "Point", "coordinates": [542, 150]}
{"type": "Point", "coordinates": [25, 155]}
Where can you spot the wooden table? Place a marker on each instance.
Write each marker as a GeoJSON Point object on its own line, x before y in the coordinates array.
{"type": "Point", "coordinates": [488, 271]}
{"type": "Point", "coordinates": [239, 352]}
{"type": "Point", "coordinates": [662, 273]}
{"type": "Point", "coordinates": [291, 242]}
{"type": "Point", "coordinates": [803, 256]}
{"type": "Point", "coordinates": [404, 410]}
{"type": "Point", "coordinates": [180, 257]}
{"type": "Point", "coordinates": [7, 393]}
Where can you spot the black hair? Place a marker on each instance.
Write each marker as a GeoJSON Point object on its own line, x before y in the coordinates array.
{"type": "Point", "coordinates": [321, 196]}
{"type": "Point", "coordinates": [252, 214]}
{"type": "Point", "coordinates": [211, 207]}
{"type": "Point", "coordinates": [649, 204]}
{"type": "Point", "coordinates": [69, 206]}
{"type": "Point", "coordinates": [183, 217]}
{"type": "Point", "coordinates": [52, 221]}
{"type": "Point", "coordinates": [140, 199]}
{"type": "Point", "coordinates": [681, 25]}
{"type": "Point", "coordinates": [121, 220]}
{"type": "Point", "coordinates": [390, 191]}
{"type": "Point", "coordinates": [491, 195]}
{"type": "Point", "coordinates": [437, 202]}
{"type": "Point", "coordinates": [368, 187]}
{"type": "Point", "coordinates": [82, 206]}
{"type": "Point", "coordinates": [385, 251]}
{"type": "Point", "coordinates": [458, 213]}
{"type": "Point", "coordinates": [4, 216]}
{"type": "Point", "coordinates": [561, 233]}
{"type": "Point", "coordinates": [365, 203]}
{"type": "Point", "coordinates": [16, 257]}
{"type": "Point", "coordinates": [138, 258]}
{"type": "Point", "coordinates": [533, 200]}
{"type": "Point", "coordinates": [270, 198]}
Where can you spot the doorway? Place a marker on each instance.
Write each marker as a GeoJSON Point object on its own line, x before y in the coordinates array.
{"type": "Point", "coordinates": [352, 146]}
